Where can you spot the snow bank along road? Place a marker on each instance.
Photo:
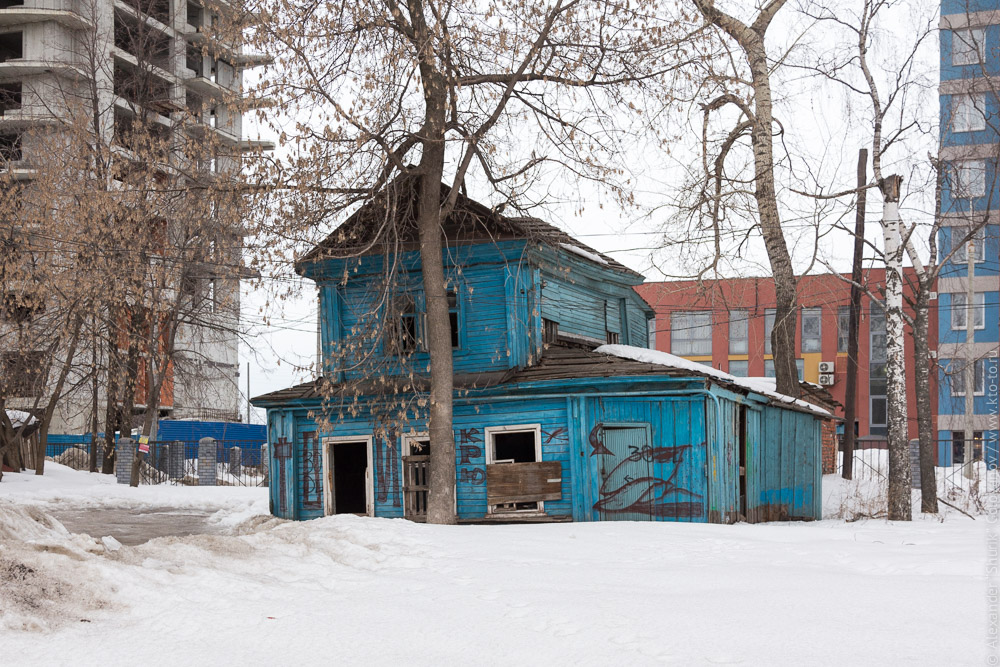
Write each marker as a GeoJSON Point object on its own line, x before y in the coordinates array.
{"type": "Point", "coordinates": [346, 590]}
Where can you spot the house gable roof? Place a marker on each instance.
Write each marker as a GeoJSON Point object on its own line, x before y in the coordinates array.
{"type": "Point", "coordinates": [366, 231]}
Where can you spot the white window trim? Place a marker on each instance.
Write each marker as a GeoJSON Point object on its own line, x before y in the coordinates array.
{"type": "Point", "coordinates": [976, 43]}
{"type": "Point", "coordinates": [488, 434]}
{"type": "Point", "coordinates": [978, 106]}
{"type": "Point", "coordinates": [951, 385]}
{"type": "Point", "coordinates": [332, 441]}
{"type": "Point", "coordinates": [965, 309]}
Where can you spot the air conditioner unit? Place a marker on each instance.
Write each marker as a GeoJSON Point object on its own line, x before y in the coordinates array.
{"type": "Point", "coordinates": [826, 367]}
{"type": "Point", "coordinates": [826, 379]}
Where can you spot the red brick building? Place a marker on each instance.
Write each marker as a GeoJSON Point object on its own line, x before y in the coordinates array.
{"type": "Point", "coordinates": [727, 324]}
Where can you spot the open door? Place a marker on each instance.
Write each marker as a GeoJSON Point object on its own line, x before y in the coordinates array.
{"type": "Point", "coordinates": [347, 476]}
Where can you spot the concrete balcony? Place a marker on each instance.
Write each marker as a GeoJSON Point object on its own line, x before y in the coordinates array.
{"type": "Point", "coordinates": [67, 13]}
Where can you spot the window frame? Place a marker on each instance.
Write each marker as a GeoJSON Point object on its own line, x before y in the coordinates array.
{"type": "Point", "coordinates": [770, 314]}
{"type": "Point", "coordinates": [978, 240]}
{"type": "Point", "coordinates": [688, 328]}
{"type": "Point", "coordinates": [974, 46]}
{"type": "Point", "coordinates": [739, 361]}
{"type": "Point", "coordinates": [978, 374]}
{"type": "Point", "coordinates": [811, 312]}
{"type": "Point", "coordinates": [800, 368]}
{"type": "Point", "coordinates": [962, 311]}
{"type": "Point", "coordinates": [489, 433]}
{"type": "Point", "coordinates": [843, 329]}
{"type": "Point", "coordinates": [970, 108]}
{"type": "Point", "coordinates": [967, 173]}
{"type": "Point", "coordinates": [744, 339]}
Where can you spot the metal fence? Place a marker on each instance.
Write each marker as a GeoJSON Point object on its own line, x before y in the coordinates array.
{"type": "Point", "coordinates": [238, 462]}
{"type": "Point", "coordinates": [964, 483]}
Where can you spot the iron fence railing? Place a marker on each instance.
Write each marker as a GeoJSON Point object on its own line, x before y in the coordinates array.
{"type": "Point", "coordinates": [237, 462]}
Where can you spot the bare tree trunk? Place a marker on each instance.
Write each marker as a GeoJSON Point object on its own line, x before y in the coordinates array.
{"type": "Point", "coordinates": [854, 325]}
{"type": "Point", "coordinates": [895, 370]}
{"type": "Point", "coordinates": [751, 41]}
{"type": "Point", "coordinates": [441, 504]}
{"type": "Point", "coordinates": [922, 387]}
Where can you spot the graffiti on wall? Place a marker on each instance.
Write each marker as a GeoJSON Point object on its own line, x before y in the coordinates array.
{"type": "Point", "coordinates": [312, 472]}
{"type": "Point", "coordinates": [470, 451]}
{"type": "Point", "coordinates": [644, 481]}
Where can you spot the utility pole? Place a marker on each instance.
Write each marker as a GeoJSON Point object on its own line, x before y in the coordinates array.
{"type": "Point", "coordinates": [854, 325]}
{"type": "Point", "coordinates": [969, 371]}
{"type": "Point", "coordinates": [895, 369]}
{"type": "Point", "coordinates": [248, 392]}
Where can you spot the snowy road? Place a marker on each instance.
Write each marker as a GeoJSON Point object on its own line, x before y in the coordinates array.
{"type": "Point", "coordinates": [350, 590]}
{"type": "Point", "coordinates": [134, 527]}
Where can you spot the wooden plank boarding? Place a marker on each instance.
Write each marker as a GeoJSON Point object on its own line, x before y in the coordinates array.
{"type": "Point", "coordinates": [523, 482]}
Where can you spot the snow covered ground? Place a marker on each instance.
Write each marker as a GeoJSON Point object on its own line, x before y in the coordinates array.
{"type": "Point", "coordinates": [346, 590]}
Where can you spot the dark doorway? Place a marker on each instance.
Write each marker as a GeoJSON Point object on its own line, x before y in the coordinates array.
{"type": "Point", "coordinates": [350, 483]}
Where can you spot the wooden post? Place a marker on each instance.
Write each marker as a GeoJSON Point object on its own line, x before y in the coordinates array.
{"type": "Point", "coordinates": [854, 325]}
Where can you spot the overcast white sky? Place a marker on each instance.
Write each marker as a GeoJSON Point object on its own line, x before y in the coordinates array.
{"type": "Point", "coordinates": [824, 128]}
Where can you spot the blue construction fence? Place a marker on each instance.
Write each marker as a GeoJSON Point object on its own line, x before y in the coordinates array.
{"type": "Point", "coordinates": [250, 438]}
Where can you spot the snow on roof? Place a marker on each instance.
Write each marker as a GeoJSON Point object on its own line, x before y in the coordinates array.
{"type": "Point", "coordinates": [764, 386]}
{"type": "Point", "coordinates": [19, 418]}
{"type": "Point", "coordinates": [577, 250]}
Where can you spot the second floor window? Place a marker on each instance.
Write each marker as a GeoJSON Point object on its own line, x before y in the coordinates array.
{"type": "Point", "coordinates": [812, 329]}
{"type": "Point", "coordinates": [410, 331]}
{"type": "Point", "coordinates": [968, 113]}
{"type": "Point", "coordinates": [968, 47]}
{"type": "Point", "coordinates": [738, 337]}
{"type": "Point", "coordinates": [960, 311]}
{"type": "Point", "coordinates": [404, 338]}
{"type": "Point", "coordinates": [843, 327]}
{"type": "Point", "coordinates": [768, 328]}
{"type": "Point", "coordinates": [691, 333]}
{"type": "Point", "coordinates": [976, 244]}
{"type": "Point", "coordinates": [956, 377]}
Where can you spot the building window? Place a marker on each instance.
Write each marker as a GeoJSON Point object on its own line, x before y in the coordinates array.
{"type": "Point", "coordinates": [968, 113]}
{"type": "Point", "coordinates": [843, 328]}
{"type": "Point", "coordinates": [612, 337]}
{"type": "Point", "coordinates": [958, 448]}
{"type": "Point", "coordinates": [514, 444]}
{"type": "Point", "coordinates": [800, 367]}
{"type": "Point", "coordinates": [968, 47]}
{"type": "Point", "coordinates": [691, 333]}
{"type": "Point", "coordinates": [738, 331]}
{"type": "Point", "coordinates": [550, 331]}
{"type": "Point", "coordinates": [21, 374]}
{"type": "Point", "coordinates": [960, 311]}
{"type": "Point", "coordinates": [739, 368]}
{"type": "Point", "coordinates": [768, 328]}
{"type": "Point", "coordinates": [968, 179]}
{"type": "Point", "coordinates": [453, 319]}
{"type": "Point", "coordinates": [404, 334]}
{"type": "Point", "coordinates": [876, 333]}
{"type": "Point", "coordinates": [956, 376]}
{"type": "Point", "coordinates": [878, 411]}
{"type": "Point", "coordinates": [812, 329]}
{"type": "Point", "coordinates": [977, 244]}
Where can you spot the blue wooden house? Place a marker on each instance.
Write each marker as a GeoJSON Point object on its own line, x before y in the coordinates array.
{"type": "Point", "coordinates": [560, 413]}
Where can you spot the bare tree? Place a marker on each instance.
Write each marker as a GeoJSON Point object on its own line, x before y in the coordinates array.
{"type": "Point", "coordinates": [441, 90]}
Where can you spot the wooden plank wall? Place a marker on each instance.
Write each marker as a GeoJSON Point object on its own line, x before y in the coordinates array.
{"type": "Point", "coordinates": [789, 476]}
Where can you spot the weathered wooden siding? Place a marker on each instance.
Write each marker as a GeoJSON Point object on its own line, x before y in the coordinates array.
{"type": "Point", "coordinates": [724, 461]}
{"type": "Point", "coordinates": [663, 481]}
{"type": "Point", "coordinates": [789, 473]}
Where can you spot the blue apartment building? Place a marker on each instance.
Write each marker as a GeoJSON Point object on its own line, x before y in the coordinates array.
{"type": "Point", "coordinates": [970, 147]}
